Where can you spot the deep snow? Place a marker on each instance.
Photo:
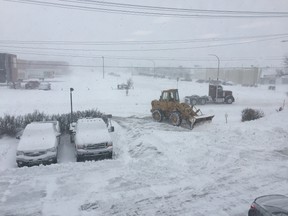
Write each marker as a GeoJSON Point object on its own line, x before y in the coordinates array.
{"type": "Point", "coordinates": [215, 169]}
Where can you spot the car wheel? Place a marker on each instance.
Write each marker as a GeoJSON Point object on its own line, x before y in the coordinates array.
{"type": "Point", "coordinates": [78, 159]}
{"type": "Point", "coordinates": [71, 138]}
{"type": "Point", "coordinates": [110, 156]}
{"type": "Point", "coordinates": [193, 102]}
{"type": "Point", "coordinates": [55, 160]}
{"type": "Point", "coordinates": [202, 101]}
{"type": "Point", "coordinates": [229, 100]}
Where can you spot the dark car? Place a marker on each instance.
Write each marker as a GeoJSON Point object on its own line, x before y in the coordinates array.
{"type": "Point", "coordinates": [269, 205]}
{"type": "Point", "coordinates": [32, 84]}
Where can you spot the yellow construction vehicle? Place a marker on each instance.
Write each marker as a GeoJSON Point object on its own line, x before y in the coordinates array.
{"type": "Point", "coordinates": [169, 107]}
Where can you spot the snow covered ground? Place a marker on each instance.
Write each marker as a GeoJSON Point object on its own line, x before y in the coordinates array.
{"type": "Point", "coordinates": [218, 168]}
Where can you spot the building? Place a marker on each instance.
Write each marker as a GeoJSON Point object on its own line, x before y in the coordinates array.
{"type": "Point", "coordinates": [28, 69]}
{"type": "Point", "coordinates": [239, 75]}
{"type": "Point", "coordinates": [8, 68]}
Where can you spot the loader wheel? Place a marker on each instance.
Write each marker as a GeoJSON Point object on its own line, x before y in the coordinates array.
{"type": "Point", "coordinates": [157, 115]}
{"type": "Point", "coordinates": [175, 118]}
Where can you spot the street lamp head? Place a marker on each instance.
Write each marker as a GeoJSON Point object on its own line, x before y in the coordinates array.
{"type": "Point", "coordinates": [71, 89]}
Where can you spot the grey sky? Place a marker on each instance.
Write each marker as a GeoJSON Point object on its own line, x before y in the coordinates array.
{"type": "Point", "coordinates": [42, 23]}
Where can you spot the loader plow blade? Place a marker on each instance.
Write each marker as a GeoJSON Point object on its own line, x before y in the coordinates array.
{"type": "Point", "coordinates": [200, 119]}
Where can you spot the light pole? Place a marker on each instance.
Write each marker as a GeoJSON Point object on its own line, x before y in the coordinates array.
{"type": "Point", "coordinates": [218, 65]}
{"type": "Point", "coordinates": [71, 105]}
{"type": "Point", "coordinates": [217, 74]}
{"type": "Point", "coordinates": [103, 66]}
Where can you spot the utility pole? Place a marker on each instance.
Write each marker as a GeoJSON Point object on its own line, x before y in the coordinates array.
{"type": "Point", "coordinates": [103, 66]}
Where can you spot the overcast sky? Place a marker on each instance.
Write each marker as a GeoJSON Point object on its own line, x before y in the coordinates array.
{"type": "Point", "coordinates": [256, 41]}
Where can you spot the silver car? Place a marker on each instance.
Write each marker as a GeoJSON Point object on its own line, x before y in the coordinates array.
{"type": "Point", "coordinates": [38, 144]}
{"type": "Point", "coordinates": [269, 205]}
{"type": "Point", "coordinates": [92, 139]}
{"type": "Point", "coordinates": [44, 86]}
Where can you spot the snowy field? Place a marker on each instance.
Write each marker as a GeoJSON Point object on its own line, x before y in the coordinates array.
{"type": "Point", "coordinates": [218, 168]}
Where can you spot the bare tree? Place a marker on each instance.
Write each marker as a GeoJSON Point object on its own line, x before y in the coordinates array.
{"type": "Point", "coordinates": [130, 83]}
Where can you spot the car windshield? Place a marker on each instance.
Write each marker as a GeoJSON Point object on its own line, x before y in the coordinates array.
{"type": "Point", "coordinates": [190, 96]}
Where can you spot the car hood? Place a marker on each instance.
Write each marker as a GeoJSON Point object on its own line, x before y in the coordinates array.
{"type": "Point", "coordinates": [40, 142]}
{"type": "Point", "coordinates": [92, 137]}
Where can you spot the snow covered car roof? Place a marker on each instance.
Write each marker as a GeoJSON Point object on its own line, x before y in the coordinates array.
{"type": "Point", "coordinates": [38, 136]}
{"type": "Point", "coordinates": [91, 131]}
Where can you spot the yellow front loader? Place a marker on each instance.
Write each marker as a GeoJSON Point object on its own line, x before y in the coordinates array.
{"type": "Point", "coordinates": [169, 107]}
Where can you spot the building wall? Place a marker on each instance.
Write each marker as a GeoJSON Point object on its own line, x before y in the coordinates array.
{"type": "Point", "coordinates": [8, 68]}
{"type": "Point", "coordinates": [249, 76]}
{"type": "Point", "coordinates": [42, 69]}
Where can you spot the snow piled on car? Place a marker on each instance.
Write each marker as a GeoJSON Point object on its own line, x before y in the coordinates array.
{"type": "Point", "coordinates": [91, 131]}
{"type": "Point", "coordinates": [37, 136]}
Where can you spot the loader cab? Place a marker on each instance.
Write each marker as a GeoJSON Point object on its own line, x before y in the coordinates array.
{"type": "Point", "coordinates": [170, 95]}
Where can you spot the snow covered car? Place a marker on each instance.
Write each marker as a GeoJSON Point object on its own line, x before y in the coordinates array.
{"type": "Point", "coordinates": [269, 205]}
{"type": "Point", "coordinates": [92, 139]}
{"type": "Point", "coordinates": [38, 144]}
{"type": "Point", "coordinates": [122, 86]}
{"type": "Point", "coordinates": [44, 86]}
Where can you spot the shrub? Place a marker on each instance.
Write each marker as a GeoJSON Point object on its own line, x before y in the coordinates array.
{"type": "Point", "coordinates": [130, 83]}
{"type": "Point", "coordinates": [11, 125]}
{"type": "Point", "coordinates": [249, 114]}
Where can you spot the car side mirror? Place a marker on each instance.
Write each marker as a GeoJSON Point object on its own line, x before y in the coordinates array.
{"type": "Point", "coordinates": [18, 137]}
{"type": "Point", "coordinates": [111, 129]}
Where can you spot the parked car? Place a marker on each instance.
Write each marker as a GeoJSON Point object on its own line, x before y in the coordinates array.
{"type": "Point", "coordinates": [269, 205]}
{"type": "Point", "coordinates": [92, 139]}
{"type": "Point", "coordinates": [122, 86]}
{"type": "Point", "coordinates": [44, 86]}
{"type": "Point", "coordinates": [32, 84]}
{"type": "Point", "coordinates": [38, 144]}
{"type": "Point", "coordinates": [72, 131]}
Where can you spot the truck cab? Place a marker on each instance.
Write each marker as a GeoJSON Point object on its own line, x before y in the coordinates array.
{"type": "Point", "coordinates": [219, 95]}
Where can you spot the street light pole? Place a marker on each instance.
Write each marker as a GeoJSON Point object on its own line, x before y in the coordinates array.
{"type": "Point", "coordinates": [103, 66]}
{"type": "Point", "coordinates": [218, 64]}
{"type": "Point", "coordinates": [217, 74]}
{"type": "Point", "coordinates": [71, 105]}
